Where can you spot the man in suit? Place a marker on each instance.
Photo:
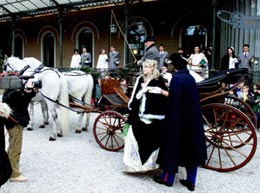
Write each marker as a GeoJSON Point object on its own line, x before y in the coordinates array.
{"type": "Point", "coordinates": [151, 51]}
{"type": "Point", "coordinates": [114, 58]}
{"type": "Point", "coordinates": [85, 58]}
{"type": "Point", "coordinates": [163, 57]}
{"type": "Point", "coordinates": [244, 61]}
{"type": "Point", "coordinates": [113, 61]}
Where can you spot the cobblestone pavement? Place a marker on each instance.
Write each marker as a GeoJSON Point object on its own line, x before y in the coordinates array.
{"type": "Point", "coordinates": [76, 164]}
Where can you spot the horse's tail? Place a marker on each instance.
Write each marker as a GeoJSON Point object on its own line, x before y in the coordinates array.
{"type": "Point", "coordinates": [88, 95]}
{"type": "Point", "coordinates": [64, 99]}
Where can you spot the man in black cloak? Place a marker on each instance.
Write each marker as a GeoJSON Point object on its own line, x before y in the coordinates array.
{"type": "Point", "coordinates": [184, 142]}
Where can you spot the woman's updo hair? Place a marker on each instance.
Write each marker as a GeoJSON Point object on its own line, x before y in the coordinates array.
{"type": "Point", "coordinates": [154, 65]}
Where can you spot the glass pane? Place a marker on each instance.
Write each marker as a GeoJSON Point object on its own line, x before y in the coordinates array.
{"type": "Point", "coordinates": [136, 43]}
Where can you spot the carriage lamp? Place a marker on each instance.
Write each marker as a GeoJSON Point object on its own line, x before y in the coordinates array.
{"type": "Point", "coordinates": [113, 28]}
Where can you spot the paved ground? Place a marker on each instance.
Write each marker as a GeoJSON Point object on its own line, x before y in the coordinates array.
{"type": "Point", "coordinates": [76, 164]}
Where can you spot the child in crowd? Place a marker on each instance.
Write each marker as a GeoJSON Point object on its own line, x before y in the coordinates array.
{"type": "Point", "coordinates": [123, 85]}
{"type": "Point", "coordinates": [256, 106]}
{"type": "Point", "coordinates": [98, 91]}
{"type": "Point", "coordinates": [246, 95]}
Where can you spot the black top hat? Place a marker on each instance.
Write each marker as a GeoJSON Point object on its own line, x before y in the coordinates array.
{"type": "Point", "coordinates": [150, 38]}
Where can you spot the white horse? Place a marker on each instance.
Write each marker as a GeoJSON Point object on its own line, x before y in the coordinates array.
{"type": "Point", "coordinates": [34, 64]}
{"type": "Point", "coordinates": [54, 86]}
{"type": "Point", "coordinates": [80, 88]}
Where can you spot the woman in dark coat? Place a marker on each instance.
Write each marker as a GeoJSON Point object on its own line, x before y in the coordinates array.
{"type": "Point", "coordinates": [184, 143]}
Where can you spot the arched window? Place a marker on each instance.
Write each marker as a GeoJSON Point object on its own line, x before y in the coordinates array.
{"type": "Point", "coordinates": [19, 46]}
{"type": "Point", "coordinates": [48, 43]}
{"type": "Point", "coordinates": [136, 39]}
{"type": "Point", "coordinates": [194, 35]}
{"type": "Point", "coordinates": [85, 40]}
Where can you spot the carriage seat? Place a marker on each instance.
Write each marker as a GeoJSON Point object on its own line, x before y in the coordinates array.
{"type": "Point", "coordinates": [112, 92]}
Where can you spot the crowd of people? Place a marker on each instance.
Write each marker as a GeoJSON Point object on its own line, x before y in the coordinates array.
{"type": "Point", "coordinates": [166, 125]}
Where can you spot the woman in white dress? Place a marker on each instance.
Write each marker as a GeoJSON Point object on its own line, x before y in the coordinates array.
{"type": "Point", "coordinates": [102, 63]}
{"type": "Point", "coordinates": [75, 60]}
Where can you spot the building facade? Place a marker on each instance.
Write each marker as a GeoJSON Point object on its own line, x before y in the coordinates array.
{"type": "Point", "coordinates": [52, 31]}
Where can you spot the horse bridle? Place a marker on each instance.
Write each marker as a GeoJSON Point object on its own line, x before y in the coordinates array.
{"type": "Point", "coordinates": [7, 64]}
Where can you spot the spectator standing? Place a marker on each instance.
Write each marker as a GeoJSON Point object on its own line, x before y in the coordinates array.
{"type": "Point", "coordinates": [244, 61]}
{"type": "Point", "coordinates": [182, 53]}
{"type": "Point", "coordinates": [85, 58]}
{"type": "Point", "coordinates": [146, 118]}
{"type": "Point", "coordinates": [151, 51]}
{"type": "Point", "coordinates": [198, 62]}
{"type": "Point", "coordinates": [229, 60]}
{"type": "Point", "coordinates": [114, 58]}
{"type": "Point", "coordinates": [256, 106]}
{"type": "Point", "coordinates": [184, 140]}
{"type": "Point", "coordinates": [163, 57]}
{"type": "Point", "coordinates": [98, 91]}
{"type": "Point", "coordinates": [166, 75]}
{"type": "Point", "coordinates": [102, 63]}
{"type": "Point", "coordinates": [75, 59]}
{"type": "Point", "coordinates": [208, 53]}
{"type": "Point", "coordinates": [18, 100]}
{"type": "Point", "coordinates": [114, 61]}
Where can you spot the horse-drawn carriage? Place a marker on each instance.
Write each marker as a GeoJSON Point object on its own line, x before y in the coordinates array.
{"type": "Point", "coordinates": [229, 122]}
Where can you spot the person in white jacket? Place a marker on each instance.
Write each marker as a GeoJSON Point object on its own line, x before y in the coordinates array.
{"type": "Point", "coordinates": [102, 63]}
{"type": "Point", "coordinates": [75, 60]}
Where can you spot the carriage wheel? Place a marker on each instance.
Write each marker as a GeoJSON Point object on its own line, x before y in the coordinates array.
{"type": "Point", "coordinates": [242, 106]}
{"type": "Point", "coordinates": [107, 130]}
{"type": "Point", "coordinates": [230, 136]}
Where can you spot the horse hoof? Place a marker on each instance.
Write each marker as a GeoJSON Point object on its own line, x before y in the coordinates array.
{"type": "Point", "coordinates": [52, 139]}
{"type": "Point", "coordinates": [78, 131]}
{"type": "Point", "coordinates": [46, 123]}
{"type": "Point", "coordinates": [84, 129]}
{"type": "Point", "coordinates": [41, 126]}
{"type": "Point", "coordinates": [29, 128]}
{"type": "Point", "coordinates": [60, 135]}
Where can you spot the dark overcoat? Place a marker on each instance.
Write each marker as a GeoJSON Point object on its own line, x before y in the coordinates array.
{"type": "Point", "coordinates": [151, 53]}
{"type": "Point", "coordinates": [185, 140]}
{"type": "Point", "coordinates": [148, 136]}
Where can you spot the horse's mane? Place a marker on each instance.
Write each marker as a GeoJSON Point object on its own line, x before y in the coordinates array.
{"type": "Point", "coordinates": [16, 63]}
{"type": "Point", "coordinates": [32, 62]}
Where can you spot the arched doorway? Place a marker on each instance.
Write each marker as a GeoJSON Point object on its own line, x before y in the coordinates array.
{"type": "Point", "coordinates": [48, 43]}
{"type": "Point", "coordinates": [19, 46]}
{"type": "Point", "coordinates": [194, 35]}
{"type": "Point", "coordinates": [85, 40]}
